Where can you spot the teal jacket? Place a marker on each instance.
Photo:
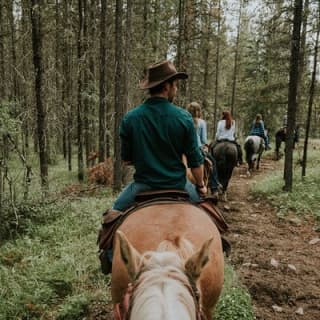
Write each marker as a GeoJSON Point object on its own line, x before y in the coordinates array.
{"type": "Point", "coordinates": [154, 136]}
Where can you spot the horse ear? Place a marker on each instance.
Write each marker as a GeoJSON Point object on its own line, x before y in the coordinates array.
{"type": "Point", "coordinates": [129, 255]}
{"type": "Point", "coordinates": [198, 260]}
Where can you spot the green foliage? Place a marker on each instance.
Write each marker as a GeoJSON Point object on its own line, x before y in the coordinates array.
{"type": "Point", "coordinates": [8, 122]}
{"type": "Point", "coordinates": [305, 195]}
{"type": "Point", "coordinates": [74, 307]}
{"type": "Point", "coordinates": [234, 305]}
{"type": "Point", "coordinates": [49, 269]}
{"type": "Point", "coordinates": [21, 217]}
{"type": "Point", "coordinates": [235, 302]}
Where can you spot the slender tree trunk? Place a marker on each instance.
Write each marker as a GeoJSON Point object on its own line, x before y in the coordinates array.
{"type": "Point", "coordinates": [311, 97]}
{"type": "Point", "coordinates": [180, 34]}
{"type": "Point", "coordinates": [41, 114]}
{"type": "Point", "coordinates": [217, 63]}
{"type": "Point", "coordinates": [66, 88]}
{"type": "Point", "coordinates": [86, 84]}
{"type": "Point", "coordinates": [2, 68]}
{"type": "Point", "coordinates": [13, 53]}
{"type": "Point", "coordinates": [303, 61]}
{"type": "Point", "coordinates": [102, 84]}
{"type": "Point", "coordinates": [292, 93]}
{"type": "Point", "coordinates": [236, 62]}
{"type": "Point", "coordinates": [79, 99]}
{"type": "Point", "coordinates": [58, 53]}
{"type": "Point", "coordinates": [117, 176]}
{"type": "Point", "coordinates": [126, 66]}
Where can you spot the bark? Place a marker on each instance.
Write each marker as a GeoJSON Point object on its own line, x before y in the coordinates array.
{"type": "Point", "coordinates": [117, 176]}
{"type": "Point", "coordinates": [292, 93]}
{"type": "Point", "coordinates": [217, 63]}
{"type": "Point", "coordinates": [35, 11]}
{"type": "Point", "coordinates": [79, 94]}
{"type": "Point", "coordinates": [102, 84]}
{"type": "Point", "coordinates": [236, 62]}
{"type": "Point", "coordinates": [2, 68]}
{"type": "Point", "coordinates": [66, 88]}
{"type": "Point", "coordinates": [311, 98]}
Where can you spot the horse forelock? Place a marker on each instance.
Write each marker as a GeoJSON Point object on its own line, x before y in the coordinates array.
{"type": "Point", "coordinates": [158, 294]}
{"type": "Point", "coordinates": [181, 246]}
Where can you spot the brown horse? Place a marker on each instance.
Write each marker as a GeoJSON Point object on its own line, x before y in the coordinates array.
{"type": "Point", "coordinates": [172, 255]}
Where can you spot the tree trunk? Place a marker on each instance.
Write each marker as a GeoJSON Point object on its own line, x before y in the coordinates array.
{"type": "Point", "coordinates": [118, 99]}
{"type": "Point", "coordinates": [2, 68]}
{"type": "Point", "coordinates": [292, 93]}
{"type": "Point", "coordinates": [126, 75]}
{"type": "Point", "coordinates": [311, 96]}
{"type": "Point", "coordinates": [14, 95]}
{"type": "Point", "coordinates": [66, 88]}
{"type": "Point", "coordinates": [217, 63]}
{"type": "Point", "coordinates": [79, 98]}
{"type": "Point", "coordinates": [236, 62]}
{"type": "Point", "coordinates": [102, 84]}
{"type": "Point", "coordinates": [86, 82]}
{"type": "Point", "coordinates": [35, 12]}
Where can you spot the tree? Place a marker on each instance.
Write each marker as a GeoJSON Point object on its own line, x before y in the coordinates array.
{"type": "Point", "coordinates": [292, 93]}
{"type": "Point", "coordinates": [102, 83]}
{"type": "Point", "coordinates": [35, 13]}
{"type": "Point", "coordinates": [118, 98]}
{"type": "Point", "coordinates": [79, 95]}
{"type": "Point", "coordinates": [311, 97]}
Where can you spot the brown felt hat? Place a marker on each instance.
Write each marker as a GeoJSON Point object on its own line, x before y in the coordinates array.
{"type": "Point", "coordinates": [159, 73]}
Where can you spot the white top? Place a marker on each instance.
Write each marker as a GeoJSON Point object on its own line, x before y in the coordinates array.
{"type": "Point", "coordinates": [223, 133]}
{"type": "Point", "coordinates": [201, 132]}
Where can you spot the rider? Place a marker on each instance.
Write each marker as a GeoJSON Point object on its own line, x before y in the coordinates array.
{"type": "Point", "coordinates": [258, 129]}
{"type": "Point", "coordinates": [226, 132]}
{"type": "Point", "coordinates": [201, 130]}
{"type": "Point", "coordinates": [154, 137]}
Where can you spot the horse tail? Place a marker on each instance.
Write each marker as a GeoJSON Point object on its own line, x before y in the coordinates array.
{"type": "Point", "coordinates": [249, 148]}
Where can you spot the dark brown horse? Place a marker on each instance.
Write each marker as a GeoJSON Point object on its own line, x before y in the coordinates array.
{"type": "Point", "coordinates": [226, 156]}
{"type": "Point", "coordinates": [171, 254]}
{"type": "Point", "coordinates": [281, 136]}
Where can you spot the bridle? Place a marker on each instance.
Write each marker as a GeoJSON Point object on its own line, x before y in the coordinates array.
{"type": "Point", "coordinates": [123, 309]}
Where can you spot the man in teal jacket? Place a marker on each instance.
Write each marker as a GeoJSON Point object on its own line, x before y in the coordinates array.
{"type": "Point", "coordinates": [155, 135]}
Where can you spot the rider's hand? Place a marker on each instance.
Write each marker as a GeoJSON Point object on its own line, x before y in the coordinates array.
{"type": "Point", "coordinates": [202, 190]}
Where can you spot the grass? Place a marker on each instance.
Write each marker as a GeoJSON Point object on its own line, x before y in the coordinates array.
{"type": "Point", "coordinates": [51, 270]}
{"type": "Point", "coordinates": [305, 196]}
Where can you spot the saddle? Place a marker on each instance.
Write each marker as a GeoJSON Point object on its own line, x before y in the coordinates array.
{"type": "Point", "coordinates": [112, 219]}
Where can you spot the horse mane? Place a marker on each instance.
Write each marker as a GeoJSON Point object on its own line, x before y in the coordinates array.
{"type": "Point", "coordinates": [161, 292]}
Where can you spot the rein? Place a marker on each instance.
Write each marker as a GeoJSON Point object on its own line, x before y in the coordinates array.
{"type": "Point", "coordinates": [123, 309]}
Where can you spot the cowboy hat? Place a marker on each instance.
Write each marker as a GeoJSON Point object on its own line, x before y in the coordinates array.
{"type": "Point", "coordinates": [159, 73]}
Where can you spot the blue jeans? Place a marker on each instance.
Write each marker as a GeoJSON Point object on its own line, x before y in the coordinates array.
{"type": "Point", "coordinates": [127, 197]}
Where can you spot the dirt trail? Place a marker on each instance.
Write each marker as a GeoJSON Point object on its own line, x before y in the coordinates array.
{"type": "Point", "coordinates": [273, 256]}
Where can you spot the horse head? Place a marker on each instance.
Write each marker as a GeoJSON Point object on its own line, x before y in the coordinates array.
{"type": "Point", "coordinates": [162, 282]}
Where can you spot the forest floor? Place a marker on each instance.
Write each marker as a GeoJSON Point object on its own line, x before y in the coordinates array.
{"type": "Point", "coordinates": [276, 258]}
{"type": "Point", "coordinates": [272, 255]}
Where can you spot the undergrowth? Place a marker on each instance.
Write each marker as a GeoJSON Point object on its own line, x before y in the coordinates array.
{"type": "Point", "coordinates": [49, 267]}
{"type": "Point", "coordinates": [304, 198]}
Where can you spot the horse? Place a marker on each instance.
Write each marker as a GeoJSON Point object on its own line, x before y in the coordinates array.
{"type": "Point", "coordinates": [226, 156]}
{"type": "Point", "coordinates": [254, 147]}
{"type": "Point", "coordinates": [167, 264]}
{"type": "Point", "coordinates": [281, 136]}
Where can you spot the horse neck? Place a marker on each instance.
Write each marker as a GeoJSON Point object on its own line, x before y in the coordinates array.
{"type": "Point", "coordinates": [162, 297]}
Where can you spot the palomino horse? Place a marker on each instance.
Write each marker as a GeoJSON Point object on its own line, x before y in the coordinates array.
{"type": "Point", "coordinates": [281, 135]}
{"type": "Point", "coordinates": [254, 147]}
{"type": "Point", "coordinates": [226, 155]}
{"type": "Point", "coordinates": [167, 264]}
